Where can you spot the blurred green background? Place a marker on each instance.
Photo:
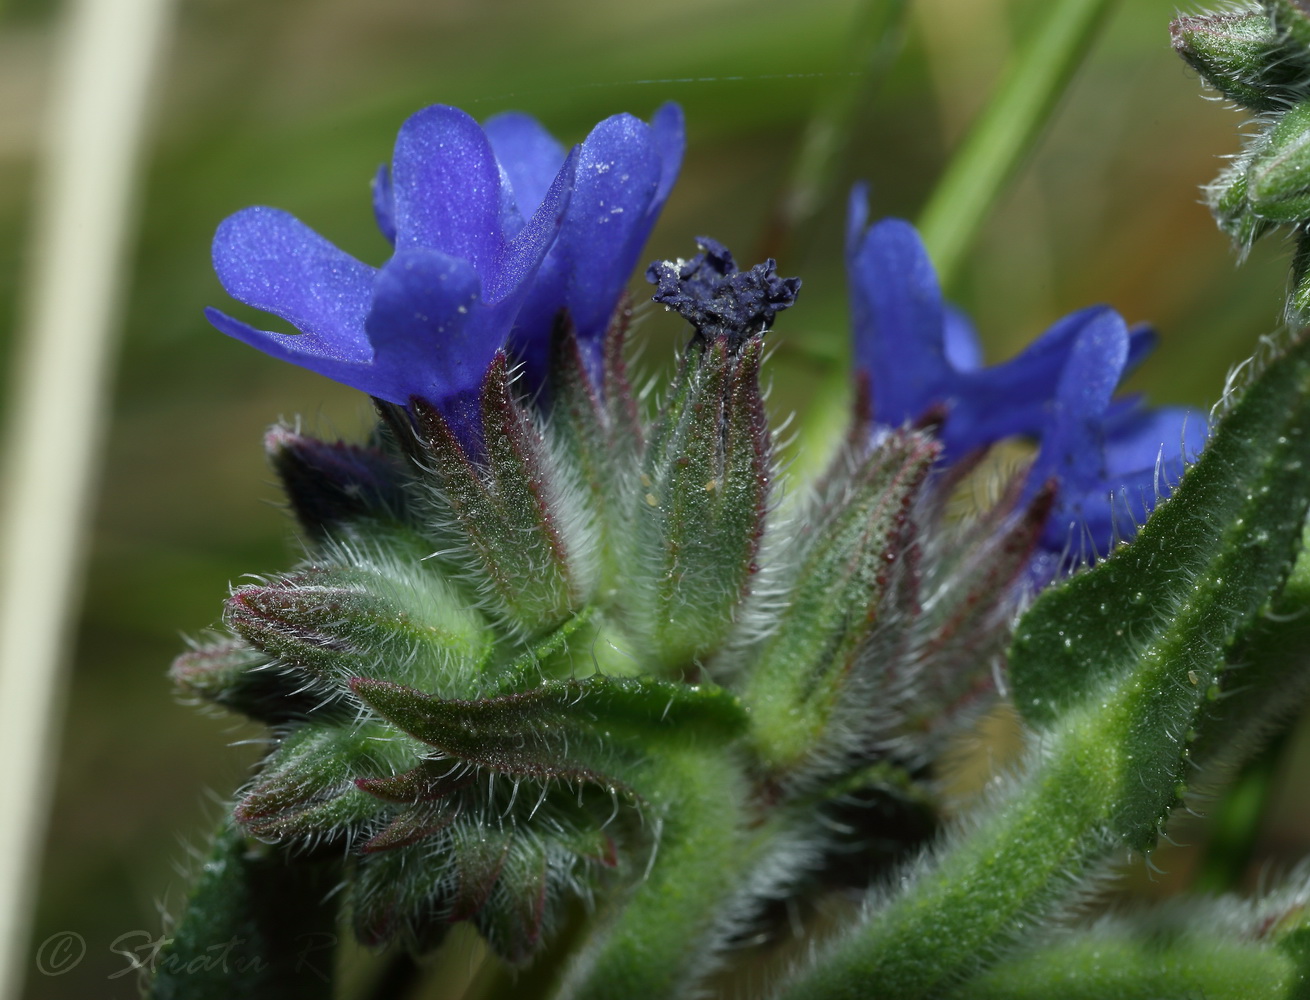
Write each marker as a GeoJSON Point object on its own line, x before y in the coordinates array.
{"type": "Point", "coordinates": [294, 103]}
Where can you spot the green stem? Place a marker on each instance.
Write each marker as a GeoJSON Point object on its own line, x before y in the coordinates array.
{"type": "Point", "coordinates": [1007, 129]}
{"type": "Point", "coordinates": [972, 903]}
{"type": "Point", "coordinates": [1141, 966]}
{"type": "Point", "coordinates": [660, 937]}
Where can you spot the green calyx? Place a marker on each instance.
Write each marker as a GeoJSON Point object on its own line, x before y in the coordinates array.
{"type": "Point", "coordinates": [591, 661]}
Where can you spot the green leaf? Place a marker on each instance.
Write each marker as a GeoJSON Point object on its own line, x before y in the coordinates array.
{"type": "Point", "coordinates": [1151, 626]}
{"type": "Point", "coordinates": [1205, 563]}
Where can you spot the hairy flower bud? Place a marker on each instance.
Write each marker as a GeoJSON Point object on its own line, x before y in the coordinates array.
{"type": "Point", "coordinates": [1278, 177]}
{"type": "Point", "coordinates": [1238, 54]}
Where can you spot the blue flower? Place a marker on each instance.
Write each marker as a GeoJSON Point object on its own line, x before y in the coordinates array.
{"type": "Point", "coordinates": [496, 233]}
{"type": "Point", "coordinates": [921, 357]}
{"type": "Point", "coordinates": [1113, 458]}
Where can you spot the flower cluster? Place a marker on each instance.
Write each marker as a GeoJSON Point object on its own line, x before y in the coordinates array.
{"type": "Point", "coordinates": [500, 236]}
{"type": "Point", "coordinates": [543, 640]}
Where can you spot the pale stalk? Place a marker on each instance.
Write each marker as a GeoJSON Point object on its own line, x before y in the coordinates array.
{"type": "Point", "coordinates": [1007, 129]}
{"type": "Point", "coordinates": [82, 225]}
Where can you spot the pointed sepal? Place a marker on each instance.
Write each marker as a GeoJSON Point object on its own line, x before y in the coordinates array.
{"type": "Point", "coordinates": [588, 731]}
{"type": "Point", "coordinates": [382, 615]}
{"type": "Point", "coordinates": [1232, 209]}
{"type": "Point", "coordinates": [701, 505]}
{"type": "Point", "coordinates": [853, 569]}
{"type": "Point", "coordinates": [974, 582]}
{"type": "Point", "coordinates": [599, 433]}
{"type": "Point", "coordinates": [230, 672]}
{"type": "Point", "coordinates": [307, 791]}
{"type": "Point", "coordinates": [1278, 176]}
{"type": "Point", "coordinates": [514, 522]}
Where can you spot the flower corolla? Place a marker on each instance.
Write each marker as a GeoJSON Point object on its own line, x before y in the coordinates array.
{"type": "Point", "coordinates": [498, 236]}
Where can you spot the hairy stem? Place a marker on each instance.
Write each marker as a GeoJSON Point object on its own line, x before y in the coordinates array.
{"type": "Point", "coordinates": [659, 939]}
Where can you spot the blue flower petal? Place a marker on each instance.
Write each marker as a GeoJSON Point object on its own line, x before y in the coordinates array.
{"type": "Point", "coordinates": [1113, 458]}
{"type": "Point", "coordinates": [898, 318]}
{"type": "Point", "coordinates": [857, 222]}
{"type": "Point", "coordinates": [1016, 397]}
{"type": "Point", "coordinates": [619, 173]}
{"type": "Point", "coordinates": [962, 347]}
{"type": "Point", "coordinates": [1141, 342]}
{"type": "Point", "coordinates": [1166, 433]}
{"type": "Point", "coordinates": [518, 264]}
{"type": "Point", "coordinates": [427, 326]}
{"type": "Point", "coordinates": [447, 185]}
{"type": "Point", "coordinates": [1073, 449]}
{"type": "Point", "coordinates": [303, 349]}
{"type": "Point", "coordinates": [271, 260]}
{"type": "Point", "coordinates": [669, 135]}
{"type": "Point", "coordinates": [529, 155]}
{"type": "Point", "coordinates": [480, 220]}
{"type": "Point", "coordinates": [623, 167]}
{"type": "Point", "coordinates": [384, 203]}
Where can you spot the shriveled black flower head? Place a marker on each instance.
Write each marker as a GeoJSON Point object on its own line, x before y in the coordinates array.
{"type": "Point", "coordinates": [716, 298]}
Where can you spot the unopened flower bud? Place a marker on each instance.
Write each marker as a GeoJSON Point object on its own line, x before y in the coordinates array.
{"type": "Point", "coordinates": [1278, 179]}
{"type": "Point", "coordinates": [1238, 54]}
